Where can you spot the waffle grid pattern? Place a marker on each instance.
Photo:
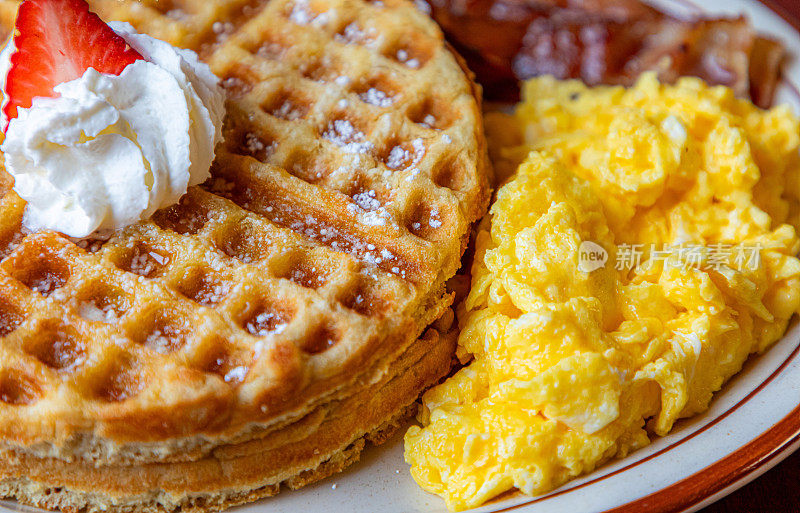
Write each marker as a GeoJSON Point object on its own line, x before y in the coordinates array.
{"type": "Point", "coordinates": [339, 205]}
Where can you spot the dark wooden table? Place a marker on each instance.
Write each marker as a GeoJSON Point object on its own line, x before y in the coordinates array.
{"type": "Point", "coordinates": [779, 489]}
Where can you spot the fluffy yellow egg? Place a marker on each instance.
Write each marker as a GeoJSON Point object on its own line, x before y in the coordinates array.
{"type": "Point", "coordinates": [643, 249]}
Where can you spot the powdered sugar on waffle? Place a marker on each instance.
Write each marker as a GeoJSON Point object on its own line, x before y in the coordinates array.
{"type": "Point", "coordinates": [302, 14]}
{"type": "Point", "coordinates": [342, 133]}
{"type": "Point", "coordinates": [401, 158]}
{"type": "Point", "coordinates": [369, 209]}
{"type": "Point", "coordinates": [375, 96]}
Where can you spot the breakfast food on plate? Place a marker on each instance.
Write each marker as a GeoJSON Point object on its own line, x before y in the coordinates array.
{"type": "Point", "coordinates": [643, 249]}
{"type": "Point", "coordinates": [286, 310]}
{"type": "Point", "coordinates": [605, 42]}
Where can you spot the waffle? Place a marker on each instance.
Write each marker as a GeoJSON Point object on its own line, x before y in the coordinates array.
{"type": "Point", "coordinates": [302, 275]}
{"type": "Point", "coordinates": [239, 473]}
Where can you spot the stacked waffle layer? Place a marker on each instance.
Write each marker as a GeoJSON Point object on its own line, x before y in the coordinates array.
{"type": "Point", "coordinates": [287, 310]}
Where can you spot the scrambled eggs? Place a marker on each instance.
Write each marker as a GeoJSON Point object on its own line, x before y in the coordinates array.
{"type": "Point", "coordinates": [575, 359]}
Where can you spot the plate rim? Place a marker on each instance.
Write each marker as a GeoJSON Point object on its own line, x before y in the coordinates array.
{"type": "Point", "coordinates": [730, 471]}
{"type": "Point", "coordinates": [752, 460]}
{"type": "Point", "coordinates": [697, 490]}
{"type": "Point", "coordinates": [735, 469]}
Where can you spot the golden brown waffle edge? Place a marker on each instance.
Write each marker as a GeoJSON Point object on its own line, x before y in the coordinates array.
{"type": "Point", "coordinates": [309, 265]}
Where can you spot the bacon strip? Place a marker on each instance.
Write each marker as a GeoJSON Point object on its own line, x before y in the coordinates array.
{"type": "Point", "coordinates": [604, 41]}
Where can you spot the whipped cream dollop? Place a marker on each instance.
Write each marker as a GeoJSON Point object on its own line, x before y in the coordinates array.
{"type": "Point", "coordinates": [111, 150]}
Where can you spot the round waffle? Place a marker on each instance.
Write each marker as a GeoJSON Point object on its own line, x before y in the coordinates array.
{"type": "Point", "coordinates": [276, 298]}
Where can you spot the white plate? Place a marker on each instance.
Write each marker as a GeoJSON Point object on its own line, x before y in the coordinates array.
{"type": "Point", "coordinates": [753, 423]}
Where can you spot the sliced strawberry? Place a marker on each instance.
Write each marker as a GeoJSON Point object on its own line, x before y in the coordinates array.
{"type": "Point", "coordinates": [57, 41]}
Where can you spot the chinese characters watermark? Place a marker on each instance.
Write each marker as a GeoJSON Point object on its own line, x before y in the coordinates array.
{"type": "Point", "coordinates": [717, 256]}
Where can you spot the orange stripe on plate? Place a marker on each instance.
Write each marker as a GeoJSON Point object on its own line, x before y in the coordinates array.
{"type": "Point", "coordinates": [722, 474]}
{"type": "Point", "coordinates": [655, 509]}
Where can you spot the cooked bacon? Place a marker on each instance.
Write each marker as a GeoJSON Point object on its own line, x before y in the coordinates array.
{"type": "Point", "coordinates": [765, 70]}
{"type": "Point", "coordinates": [604, 41]}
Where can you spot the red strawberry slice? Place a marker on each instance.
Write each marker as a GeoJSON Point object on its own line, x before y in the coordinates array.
{"type": "Point", "coordinates": [57, 41]}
